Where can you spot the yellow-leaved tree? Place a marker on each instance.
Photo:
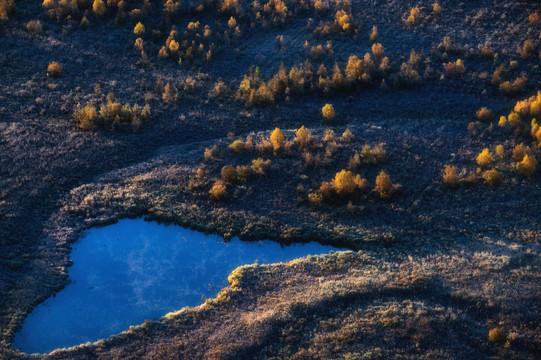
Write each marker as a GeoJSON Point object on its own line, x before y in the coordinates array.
{"type": "Point", "coordinates": [277, 139]}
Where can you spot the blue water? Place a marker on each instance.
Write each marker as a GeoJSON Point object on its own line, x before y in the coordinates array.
{"type": "Point", "coordinates": [134, 270]}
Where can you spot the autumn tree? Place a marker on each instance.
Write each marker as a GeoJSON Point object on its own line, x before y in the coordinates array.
{"type": "Point", "coordinates": [345, 183]}
{"type": "Point", "coordinates": [384, 186]}
{"type": "Point", "coordinates": [328, 112]}
{"type": "Point", "coordinates": [303, 136]}
{"type": "Point", "coordinates": [277, 139]}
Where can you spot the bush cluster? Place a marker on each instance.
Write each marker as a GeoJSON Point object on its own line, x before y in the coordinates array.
{"type": "Point", "coordinates": [111, 114]}
{"type": "Point", "coordinates": [344, 185]}
{"type": "Point", "coordinates": [514, 87]}
{"type": "Point", "coordinates": [317, 152]}
{"type": "Point", "coordinates": [455, 68]}
{"type": "Point", "coordinates": [343, 23]}
{"type": "Point", "coordinates": [195, 43]}
{"type": "Point", "coordinates": [358, 72]}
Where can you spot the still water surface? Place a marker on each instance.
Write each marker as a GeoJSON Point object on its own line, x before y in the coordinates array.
{"type": "Point", "coordinates": [134, 270]}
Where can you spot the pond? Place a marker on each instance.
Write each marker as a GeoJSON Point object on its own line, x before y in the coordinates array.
{"type": "Point", "coordinates": [134, 270]}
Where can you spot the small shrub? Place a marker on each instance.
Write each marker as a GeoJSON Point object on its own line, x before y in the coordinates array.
{"type": "Point", "coordinates": [232, 23]}
{"type": "Point", "coordinates": [139, 44]}
{"type": "Point", "coordinates": [373, 154]}
{"type": "Point", "coordinates": [446, 45]}
{"type": "Point", "coordinates": [486, 51]}
{"type": "Point", "coordinates": [237, 146]}
{"type": "Point", "coordinates": [316, 52]}
{"type": "Point", "coordinates": [86, 117]}
{"type": "Point", "coordinates": [378, 50]}
{"type": "Point", "coordinates": [228, 174]}
{"type": "Point", "coordinates": [520, 151]}
{"type": "Point", "coordinates": [170, 94]}
{"type": "Point", "coordinates": [384, 186]}
{"type": "Point", "coordinates": [485, 158]}
{"type": "Point", "coordinates": [455, 68]}
{"type": "Point", "coordinates": [84, 23]}
{"type": "Point", "coordinates": [315, 198]}
{"type": "Point", "coordinates": [310, 159]}
{"type": "Point", "coordinates": [514, 87]}
{"type": "Point", "coordinates": [318, 6]}
{"type": "Point", "coordinates": [354, 69]}
{"type": "Point", "coordinates": [374, 34]}
{"type": "Point", "coordinates": [173, 46]}
{"type": "Point", "coordinates": [522, 107]}
{"type": "Point", "coordinates": [500, 151]}
{"type": "Point", "coordinates": [527, 166]}
{"type": "Point", "coordinates": [139, 29]}
{"type": "Point", "coordinates": [473, 127]}
{"type": "Point", "coordinates": [6, 8]}
{"type": "Point", "coordinates": [170, 8]}
{"type": "Point", "coordinates": [48, 4]}
{"type": "Point", "coordinates": [527, 49]}
{"type": "Point", "coordinates": [535, 106]}
{"type": "Point", "coordinates": [413, 17]}
{"type": "Point", "coordinates": [163, 53]}
{"type": "Point", "coordinates": [497, 75]}
{"type": "Point", "coordinates": [229, 5]}
{"type": "Point", "coordinates": [248, 144]}
{"type": "Point", "coordinates": [493, 177]}
{"type": "Point", "coordinates": [277, 139]}
{"type": "Point", "coordinates": [496, 335]}
{"type": "Point", "coordinates": [303, 136]}
{"type": "Point", "coordinates": [484, 114]}
{"type": "Point", "coordinates": [54, 69]}
{"type": "Point", "coordinates": [536, 131]}
{"type": "Point", "coordinates": [136, 14]}
{"type": "Point", "coordinates": [211, 153]}
{"type": "Point", "coordinates": [219, 89]}
{"type": "Point", "coordinates": [98, 7]}
{"type": "Point", "coordinates": [328, 112]}
{"type": "Point", "coordinates": [450, 177]}
{"type": "Point", "coordinates": [218, 190]}
{"type": "Point", "coordinates": [533, 18]}
{"type": "Point", "coordinates": [347, 135]}
{"type": "Point", "coordinates": [243, 172]}
{"type": "Point", "coordinates": [322, 70]}
{"type": "Point", "coordinates": [326, 190]}
{"type": "Point", "coordinates": [343, 20]}
{"type": "Point", "coordinates": [34, 27]}
{"type": "Point", "coordinates": [338, 79]}
{"type": "Point", "coordinates": [436, 10]}
{"type": "Point", "coordinates": [514, 119]}
{"type": "Point", "coordinates": [260, 166]}
{"type": "Point", "coordinates": [328, 135]}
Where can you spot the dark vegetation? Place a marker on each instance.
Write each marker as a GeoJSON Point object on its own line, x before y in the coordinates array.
{"type": "Point", "coordinates": [409, 133]}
